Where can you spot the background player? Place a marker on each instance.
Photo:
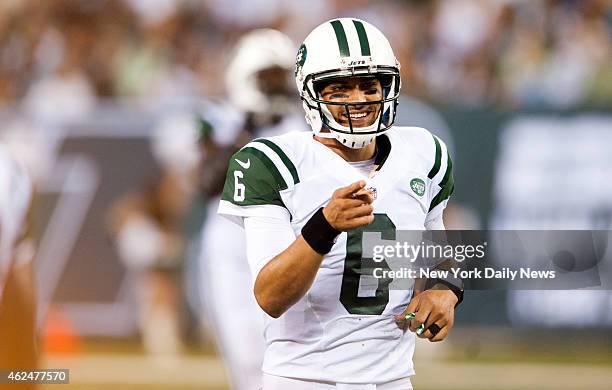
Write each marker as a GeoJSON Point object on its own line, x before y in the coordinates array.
{"type": "Point", "coordinates": [258, 82]}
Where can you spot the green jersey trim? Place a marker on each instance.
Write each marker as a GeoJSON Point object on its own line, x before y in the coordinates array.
{"type": "Point", "coordinates": [447, 184]}
{"type": "Point", "coordinates": [286, 161]}
{"type": "Point", "coordinates": [383, 151]}
{"type": "Point", "coordinates": [436, 168]}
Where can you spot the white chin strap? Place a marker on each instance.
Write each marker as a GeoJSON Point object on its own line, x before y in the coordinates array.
{"type": "Point", "coordinates": [351, 140]}
{"type": "Point", "coordinates": [354, 141]}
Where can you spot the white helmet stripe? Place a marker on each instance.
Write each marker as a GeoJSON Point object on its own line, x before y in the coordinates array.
{"type": "Point", "coordinates": [355, 36]}
{"type": "Point", "coordinates": [352, 38]}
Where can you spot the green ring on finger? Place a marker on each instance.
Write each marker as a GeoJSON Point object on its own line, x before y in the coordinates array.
{"type": "Point", "coordinates": [420, 329]}
{"type": "Point", "coordinates": [410, 316]}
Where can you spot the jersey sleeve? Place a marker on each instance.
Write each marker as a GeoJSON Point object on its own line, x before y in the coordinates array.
{"type": "Point", "coordinates": [255, 178]}
{"type": "Point", "coordinates": [443, 185]}
{"type": "Point", "coordinates": [260, 247]}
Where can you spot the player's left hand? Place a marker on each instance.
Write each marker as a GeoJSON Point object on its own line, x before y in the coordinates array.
{"type": "Point", "coordinates": [432, 307]}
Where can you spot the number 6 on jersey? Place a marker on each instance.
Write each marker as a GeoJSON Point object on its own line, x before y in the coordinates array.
{"type": "Point", "coordinates": [239, 188]}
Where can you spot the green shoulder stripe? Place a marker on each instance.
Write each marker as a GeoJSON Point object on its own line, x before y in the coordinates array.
{"type": "Point", "coordinates": [447, 184]}
{"type": "Point", "coordinates": [436, 168]}
{"type": "Point", "coordinates": [253, 179]}
{"type": "Point", "coordinates": [283, 157]}
{"type": "Point", "coordinates": [448, 175]}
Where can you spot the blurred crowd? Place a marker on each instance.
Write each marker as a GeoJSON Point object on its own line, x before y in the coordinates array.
{"type": "Point", "coordinates": [505, 53]}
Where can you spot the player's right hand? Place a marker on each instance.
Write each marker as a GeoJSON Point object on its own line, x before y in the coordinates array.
{"type": "Point", "coordinates": [350, 207]}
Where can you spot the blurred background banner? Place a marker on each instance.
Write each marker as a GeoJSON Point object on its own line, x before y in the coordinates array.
{"type": "Point", "coordinates": [104, 102]}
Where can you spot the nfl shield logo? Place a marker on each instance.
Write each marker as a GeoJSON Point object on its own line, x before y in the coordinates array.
{"type": "Point", "coordinates": [373, 191]}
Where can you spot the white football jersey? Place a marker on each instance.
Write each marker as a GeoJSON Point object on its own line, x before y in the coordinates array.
{"type": "Point", "coordinates": [15, 198]}
{"type": "Point", "coordinates": [337, 332]}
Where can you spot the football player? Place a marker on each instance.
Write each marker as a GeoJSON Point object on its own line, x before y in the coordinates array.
{"type": "Point", "coordinates": [17, 308]}
{"type": "Point", "coordinates": [305, 201]}
{"type": "Point", "coordinates": [261, 102]}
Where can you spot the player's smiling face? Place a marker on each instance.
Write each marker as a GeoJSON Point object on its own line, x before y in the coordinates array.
{"type": "Point", "coordinates": [353, 90]}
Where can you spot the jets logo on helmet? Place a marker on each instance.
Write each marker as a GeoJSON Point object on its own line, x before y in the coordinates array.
{"type": "Point", "coordinates": [341, 48]}
{"type": "Point", "coordinates": [300, 59]}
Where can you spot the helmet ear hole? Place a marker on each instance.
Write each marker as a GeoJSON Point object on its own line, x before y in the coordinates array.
{"type": "Point", "coordinates": [385, 80]}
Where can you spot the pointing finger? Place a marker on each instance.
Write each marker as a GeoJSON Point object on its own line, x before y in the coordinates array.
{"type": "Point", "coordinates": [347, 191]}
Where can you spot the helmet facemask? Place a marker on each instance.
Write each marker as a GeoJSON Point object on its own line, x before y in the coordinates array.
{"type": "Point", "coordinates": [352, 136]}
